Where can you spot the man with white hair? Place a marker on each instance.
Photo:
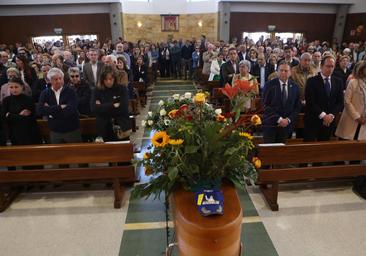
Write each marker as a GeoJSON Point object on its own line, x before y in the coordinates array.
{"type": "Point", "coordinates": [59, 105]}
{"type": "Point", "coordinates": [120, 52]}
{"type": "Point", "coordinates": [110, 60]}
{"type": "Point", "coordinates": [92, 69]}
{"type": "Point", "coordinates": [69, 59]}
{"type": "Point", "coordinates": [207, 57]}
{"type": "Point", "coordinates": [302, 72]}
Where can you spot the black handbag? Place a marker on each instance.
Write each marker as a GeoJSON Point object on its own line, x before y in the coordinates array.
{"type": "Point", "coordinates": [359, 186]}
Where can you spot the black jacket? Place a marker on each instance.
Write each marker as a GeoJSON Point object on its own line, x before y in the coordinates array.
{"type": "Point", "coordinates": [60, 120]}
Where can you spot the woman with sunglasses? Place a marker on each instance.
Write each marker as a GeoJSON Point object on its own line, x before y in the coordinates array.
{"type": "Point", "coordinates": [83, 91]}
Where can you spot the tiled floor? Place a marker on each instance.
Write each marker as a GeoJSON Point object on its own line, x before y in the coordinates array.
{"type": "Point", "coordinates": [314, 220]}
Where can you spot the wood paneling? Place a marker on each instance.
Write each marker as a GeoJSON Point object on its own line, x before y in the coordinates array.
{"type": "Point", "coordinates": [21, 28]}
{"type": "Point", "coordinates": [354, 20]}
{"type": "Point", "coordinates": [314, 26]}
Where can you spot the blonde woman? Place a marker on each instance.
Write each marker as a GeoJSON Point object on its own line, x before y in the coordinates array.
{"type": "Point", "coordinates": [352, 124]}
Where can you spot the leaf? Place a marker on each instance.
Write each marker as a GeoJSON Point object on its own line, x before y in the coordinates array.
{"type": "Point", "coordinates": [191, 149]}
{"type": "Point", "coordinates": [230, 151]}
{"type": "Point", "coordinates": [172, 173]}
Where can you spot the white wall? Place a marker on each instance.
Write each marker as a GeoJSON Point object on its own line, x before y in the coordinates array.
{"type": "Point", "coordinates": [358, 7]}
{"type": "Point", "coordinates": [54, 10]}
{"type": "Point", "coordinates": [283, 7]}
{"type": "Point", "coordinates": [169, 7]}
{"type": "Point", "coordinates": [175, 6]}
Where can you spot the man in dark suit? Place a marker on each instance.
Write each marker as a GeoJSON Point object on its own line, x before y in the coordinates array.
{"type": "Point", "coordinates": [288, 57]}
{"type": "Point", "coordinates": [324, 100]}
{"type": "Point", "coordinates": [281, 100]}
{"type": "Point", "coordinates": [229, 68]}
{"type": "Point", "coordinates": [91, 70]}
{"type": "Point", "coordinates": [242, 54]}
{"type": "Point", "coordinates": [262, 70]}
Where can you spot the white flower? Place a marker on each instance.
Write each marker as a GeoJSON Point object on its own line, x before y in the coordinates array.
{"type": "Point", "coordinates": [150, 122]}
{"type": "Point", "coordinates": [149, 113]}
{"type": "Point", "coordinates": [163, 112]}
{"type": "Point", "coordinates": [161, 103]}
{"type": "Point", "coordinates": [143, 123]}
{"type": "Point", "coordinates": [218, 111]}
{"type": "Point", "coordinates": [181, 98]}
{"type": "Point", "coordinates": [166, 121]}
{"type": "Point", "coordinates": [188, 95]}
{"type": "Point", "coordinates": [176, 96]}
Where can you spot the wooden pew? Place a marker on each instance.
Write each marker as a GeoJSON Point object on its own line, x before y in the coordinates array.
{"type": "Point", "coordinates": [87, 127]}
{"type": "Point", "coordinates": [141, 88]}
{"type": "Point", "coordinates": [116, 158]}
{"type": "Point", "coordinates": [279, 159]}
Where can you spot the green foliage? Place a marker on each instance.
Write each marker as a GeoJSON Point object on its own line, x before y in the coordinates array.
{"type": "Point", "coordinates": [203, 149]}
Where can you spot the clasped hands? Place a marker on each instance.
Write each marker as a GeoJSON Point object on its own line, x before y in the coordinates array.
{"type": "Point", "coordinates": [328, 119]}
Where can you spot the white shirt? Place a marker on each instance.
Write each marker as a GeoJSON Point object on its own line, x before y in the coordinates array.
{"type": "Point", "coordinates": [262, 76]}
{"type": "Point", "coordinates": [94, 69]}
{"type": "Point", "coordinates": [286, 88]}
{"type": "Point", "coordinates": [57, 94]}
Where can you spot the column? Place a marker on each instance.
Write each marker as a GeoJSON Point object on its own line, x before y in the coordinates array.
{"type": "Point", "coordinates": [115, 17]}
{"type": "Point", "coordinates": [340, 22]}
{"type": "Point", "coordinates": [224, 21]}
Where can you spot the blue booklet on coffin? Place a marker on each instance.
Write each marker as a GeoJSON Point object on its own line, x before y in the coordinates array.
{"type": "Point", "coordinates": [210, 202]}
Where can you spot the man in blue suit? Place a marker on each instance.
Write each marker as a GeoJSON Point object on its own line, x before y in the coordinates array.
{"type": "Point", "coordinates": [281, 100]}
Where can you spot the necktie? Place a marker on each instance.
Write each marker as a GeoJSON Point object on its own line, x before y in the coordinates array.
{"type": "Point", "coordinates": [284, 95]}
{"type": "Point", "coordinates": [327, 86]}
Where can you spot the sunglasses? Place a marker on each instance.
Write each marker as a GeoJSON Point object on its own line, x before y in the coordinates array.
{"type": "Point", "coordinates": [76, 76]}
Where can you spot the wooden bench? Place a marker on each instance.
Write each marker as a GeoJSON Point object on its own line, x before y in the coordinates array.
{"type": "Point", "coordinates": [281, 160]}
{"type": "Point", "coordinates": [115, 157]}
{"type": "Point", "coordinates": [87, 127]}
{"type": "Point", "coordinates": [141, 88]}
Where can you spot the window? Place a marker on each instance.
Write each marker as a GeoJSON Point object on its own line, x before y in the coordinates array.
{"type": "Point", "coordinates": [43, 39]}
{"type": "Point", "coordinates": [256, 35]}
{"type": "Point", "coordinates": [285, 35]}
{"type": "Point", "coordinates": [72, 38]}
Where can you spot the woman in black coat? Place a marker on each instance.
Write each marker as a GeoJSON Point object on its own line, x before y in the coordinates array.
{"type": "Point", "coordinates": [110, 103]}
{"type": "Point", "coordinates": [18, 113]}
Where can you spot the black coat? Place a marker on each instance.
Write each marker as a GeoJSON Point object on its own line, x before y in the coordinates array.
{"type": "Point", "coordinates": [22, 130]}
{"type": "Point", "coordinates": [227, 72]}
{"type": "Point", "coordinates": [269, 69]}
{"type": "Point", "coordinates": [38, 87]}
{"type": "Point", "coordinates": [107, 115]}
{"type": "Point", "coordinates": [338, 72]}
{"type": "Point", "coordinates": [83, 94]}
{"type": "Point", "coordinates": [317, 102]}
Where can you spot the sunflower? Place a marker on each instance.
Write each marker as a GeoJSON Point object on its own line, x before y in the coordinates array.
{"type": "Point", "coordinates": [256, 120]}
{"type": "Point", "coordinates": [246, 135]}
{"type": "Point", "coordinates": [160, 139]}
{"type": "Point", "coordinates": [148, 170]}
{"type": "Point", "coordinates": [257, 162]}
{"type": "Point", "coordinates": [175, 142]}
{"type": "Point", "coordinates": [146, 155]}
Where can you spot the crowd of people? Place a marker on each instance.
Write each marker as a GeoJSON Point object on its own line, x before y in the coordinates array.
{"type": "Point", "coordinates": [65, 83]}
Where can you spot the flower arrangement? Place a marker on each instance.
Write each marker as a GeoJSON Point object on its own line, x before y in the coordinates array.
{"type": "Point", "coordinates": [197, 146]}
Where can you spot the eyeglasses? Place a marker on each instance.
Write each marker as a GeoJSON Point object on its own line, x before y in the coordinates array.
{"type": "Point", "coordinates": [75, 76]}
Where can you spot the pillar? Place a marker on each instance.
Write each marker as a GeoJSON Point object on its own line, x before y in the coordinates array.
{"type": "Point", "coordinates": [340, 23]}
{"type": "Point", "coordinates": [224, 21]}
{"type": "Point", "coordinates": [115, 17]}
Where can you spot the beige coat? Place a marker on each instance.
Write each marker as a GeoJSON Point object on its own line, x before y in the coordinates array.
{"type": "Point", "coordinates": [354, 107]}
{"type": "Point", "coordinates": [207, 58]}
